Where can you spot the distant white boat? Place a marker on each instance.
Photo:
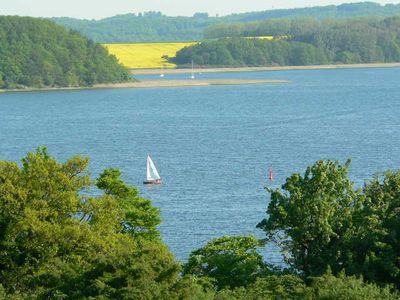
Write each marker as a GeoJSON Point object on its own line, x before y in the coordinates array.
{"type": "Point", "coordinates": [162, 72]}
{"type": "Point", "coordinates": [152, 175]}
{"type": "Point", "coordinates": [192, 76]}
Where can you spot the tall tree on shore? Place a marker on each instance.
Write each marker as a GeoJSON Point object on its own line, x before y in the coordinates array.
{"type": "Point", "coordinates": [311, 217]}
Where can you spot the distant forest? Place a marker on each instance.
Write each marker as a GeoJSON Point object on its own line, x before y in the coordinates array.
{"type": "Point", "coordinates": [39, 53]}
{"type": "Point", "coordinates": [301, 41]}
{"type": "Point", "coordinates": [153, 26]}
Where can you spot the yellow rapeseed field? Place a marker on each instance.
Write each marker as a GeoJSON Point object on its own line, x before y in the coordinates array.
{"type": "Point", "coordinates": [146, 55]}
{"type": "Point", "coordinates": [266, 37]}
{"type": "Point", "coordinates": [149, 55]}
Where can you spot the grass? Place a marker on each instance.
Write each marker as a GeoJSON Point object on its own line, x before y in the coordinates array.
{"type": "Point", "coordinates": [146, 55]}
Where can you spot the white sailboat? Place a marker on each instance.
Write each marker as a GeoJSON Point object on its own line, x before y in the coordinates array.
{"type": "Point", "coordinates": [152, 176]}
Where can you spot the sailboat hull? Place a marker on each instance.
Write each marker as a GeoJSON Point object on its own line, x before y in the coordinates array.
{"type": "Point", "coordinates": [152, 182]}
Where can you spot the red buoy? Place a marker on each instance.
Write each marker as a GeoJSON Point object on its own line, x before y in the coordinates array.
{"type": "Point", "coordinates": [271, 175]}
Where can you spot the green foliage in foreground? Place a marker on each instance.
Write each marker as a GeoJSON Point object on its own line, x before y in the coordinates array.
{"type": "Point", "coordinates": [39, 53]}
{"type": "Point", "coordinates": [140, 217]}
{"type": "Point", "coordinates": [323, 223]}
{"type": "Point", "coordinates": [304, 41]}
{"type": "Point", "coordinates": [326, 287]}
{"type": "Point", "coordinates": [59, 240]}
{"type": "Point", "coordinates": [56, 241]}
{"type": "Point", "coordinates": [311, 218]}
{"type": "Point", "coordinates": [230, 261]}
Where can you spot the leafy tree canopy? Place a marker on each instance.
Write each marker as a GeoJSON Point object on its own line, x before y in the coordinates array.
{"type": "Point", "coordinates": [230, 261]}
{"type": "Point", "coordinates": [140, 217]}
{"type": "Point", "coordinates": [310, 215]}
{"type": "Point", "coordinates": [321, 222]}
{"type": "Point", "coordinates": [57, 241]}
{"type": "Point", "coordinates": [374, 250]}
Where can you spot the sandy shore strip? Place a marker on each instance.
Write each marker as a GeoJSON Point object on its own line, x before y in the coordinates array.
{"type": "Point", "coordinates": [188, 82]}
{"type": "Point", "coordinates": [155, 84]}
{"type": "Point", "coordinates": [259, 69]}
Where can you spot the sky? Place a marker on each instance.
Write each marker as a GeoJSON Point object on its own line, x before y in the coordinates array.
{"type": "Point", "coordinates": [97, 9]}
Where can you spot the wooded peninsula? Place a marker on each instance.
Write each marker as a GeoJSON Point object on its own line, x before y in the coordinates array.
{"type": "Point", "coordinates": [38, 53]}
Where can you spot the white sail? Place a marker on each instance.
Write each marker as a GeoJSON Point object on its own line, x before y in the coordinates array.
{"type": "Point", "coordinates": [152, 173]}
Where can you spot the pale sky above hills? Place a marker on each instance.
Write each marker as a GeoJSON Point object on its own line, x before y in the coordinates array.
{"type": "Point", "coordinates": [96, 9]}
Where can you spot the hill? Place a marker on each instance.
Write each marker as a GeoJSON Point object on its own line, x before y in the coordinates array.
{"type": "Point", "coordinates": [153, 26]}
{"type": "Point", "coordinates": [146, 27]}
{"type": "Point", "coordinates": [39, 53]}
{"type": "Point", "coordinates": [307, 42]}
{"type": "Point", "coordinates": [345, 10]}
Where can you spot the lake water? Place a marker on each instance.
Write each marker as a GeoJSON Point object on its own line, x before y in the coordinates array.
{"type": "Point", "coordinates": [213, 145]}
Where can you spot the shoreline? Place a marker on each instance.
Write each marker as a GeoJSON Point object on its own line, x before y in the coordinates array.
{"type": "Point", "coordinates": [203, 82]}
{"type": "Point", "coordinates": [153, 84]}
{"type": "Point", "coordinates": [261, 69]}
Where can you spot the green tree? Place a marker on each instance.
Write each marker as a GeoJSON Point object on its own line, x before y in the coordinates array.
{"type": "Point", "coordinates": [374, 249]}
{"type": "Point", "coordinates": [269, 288]}
{"type": "Point", "coordinates": [325, 287]}
{"type": "Point", "coordinates": [311, 217]}
{"type": "Point", "coordinates": [1, 80]}
{"type": "Point", "coordinates": [329, 287]}
{"type": "Point", "coordinates": [140, 217]}
{"type": "Point", "coordinates": [57, 242]}
{"type": "Point", "coordinates": [230, 261]}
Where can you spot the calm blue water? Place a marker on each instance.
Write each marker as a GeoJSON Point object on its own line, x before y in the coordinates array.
{"type": "Point", "coordinates": [213, 145]}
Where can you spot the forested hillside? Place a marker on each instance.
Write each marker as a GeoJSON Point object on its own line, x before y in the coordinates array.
{"type": "Point", "coordinates": [153, 26]}
{"type": "Point", "coordinates": [304, 41]}
{"type": "Point", "coordinates": [146, 27]}
{"type": "Point", "coordinates": [345, 10]}
{"type": "Point", "coordinates": [39, 53]}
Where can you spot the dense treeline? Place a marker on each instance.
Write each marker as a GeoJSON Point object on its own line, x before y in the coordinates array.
{"type": "Point", "coordinates": [59, 242]}
{"type": "Point", "coordinates": [345, 10]}
{"type": "Point", "coordinates": [153, 26]}
{"type": "Point", "coordinates": [146, 27]}
{"type": "Point", "coordinates": [239, 52]}
{"type": "Point", "coordinates": [294, 24]}
{"type": "Point", "coordinates": [304, 41]}
{"type": "Point", "coordinates": [324, 223]}
{"type": "Point", "coordinates": [38, 53]}
{"type": "Point", "coordinates": [287, 27]}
